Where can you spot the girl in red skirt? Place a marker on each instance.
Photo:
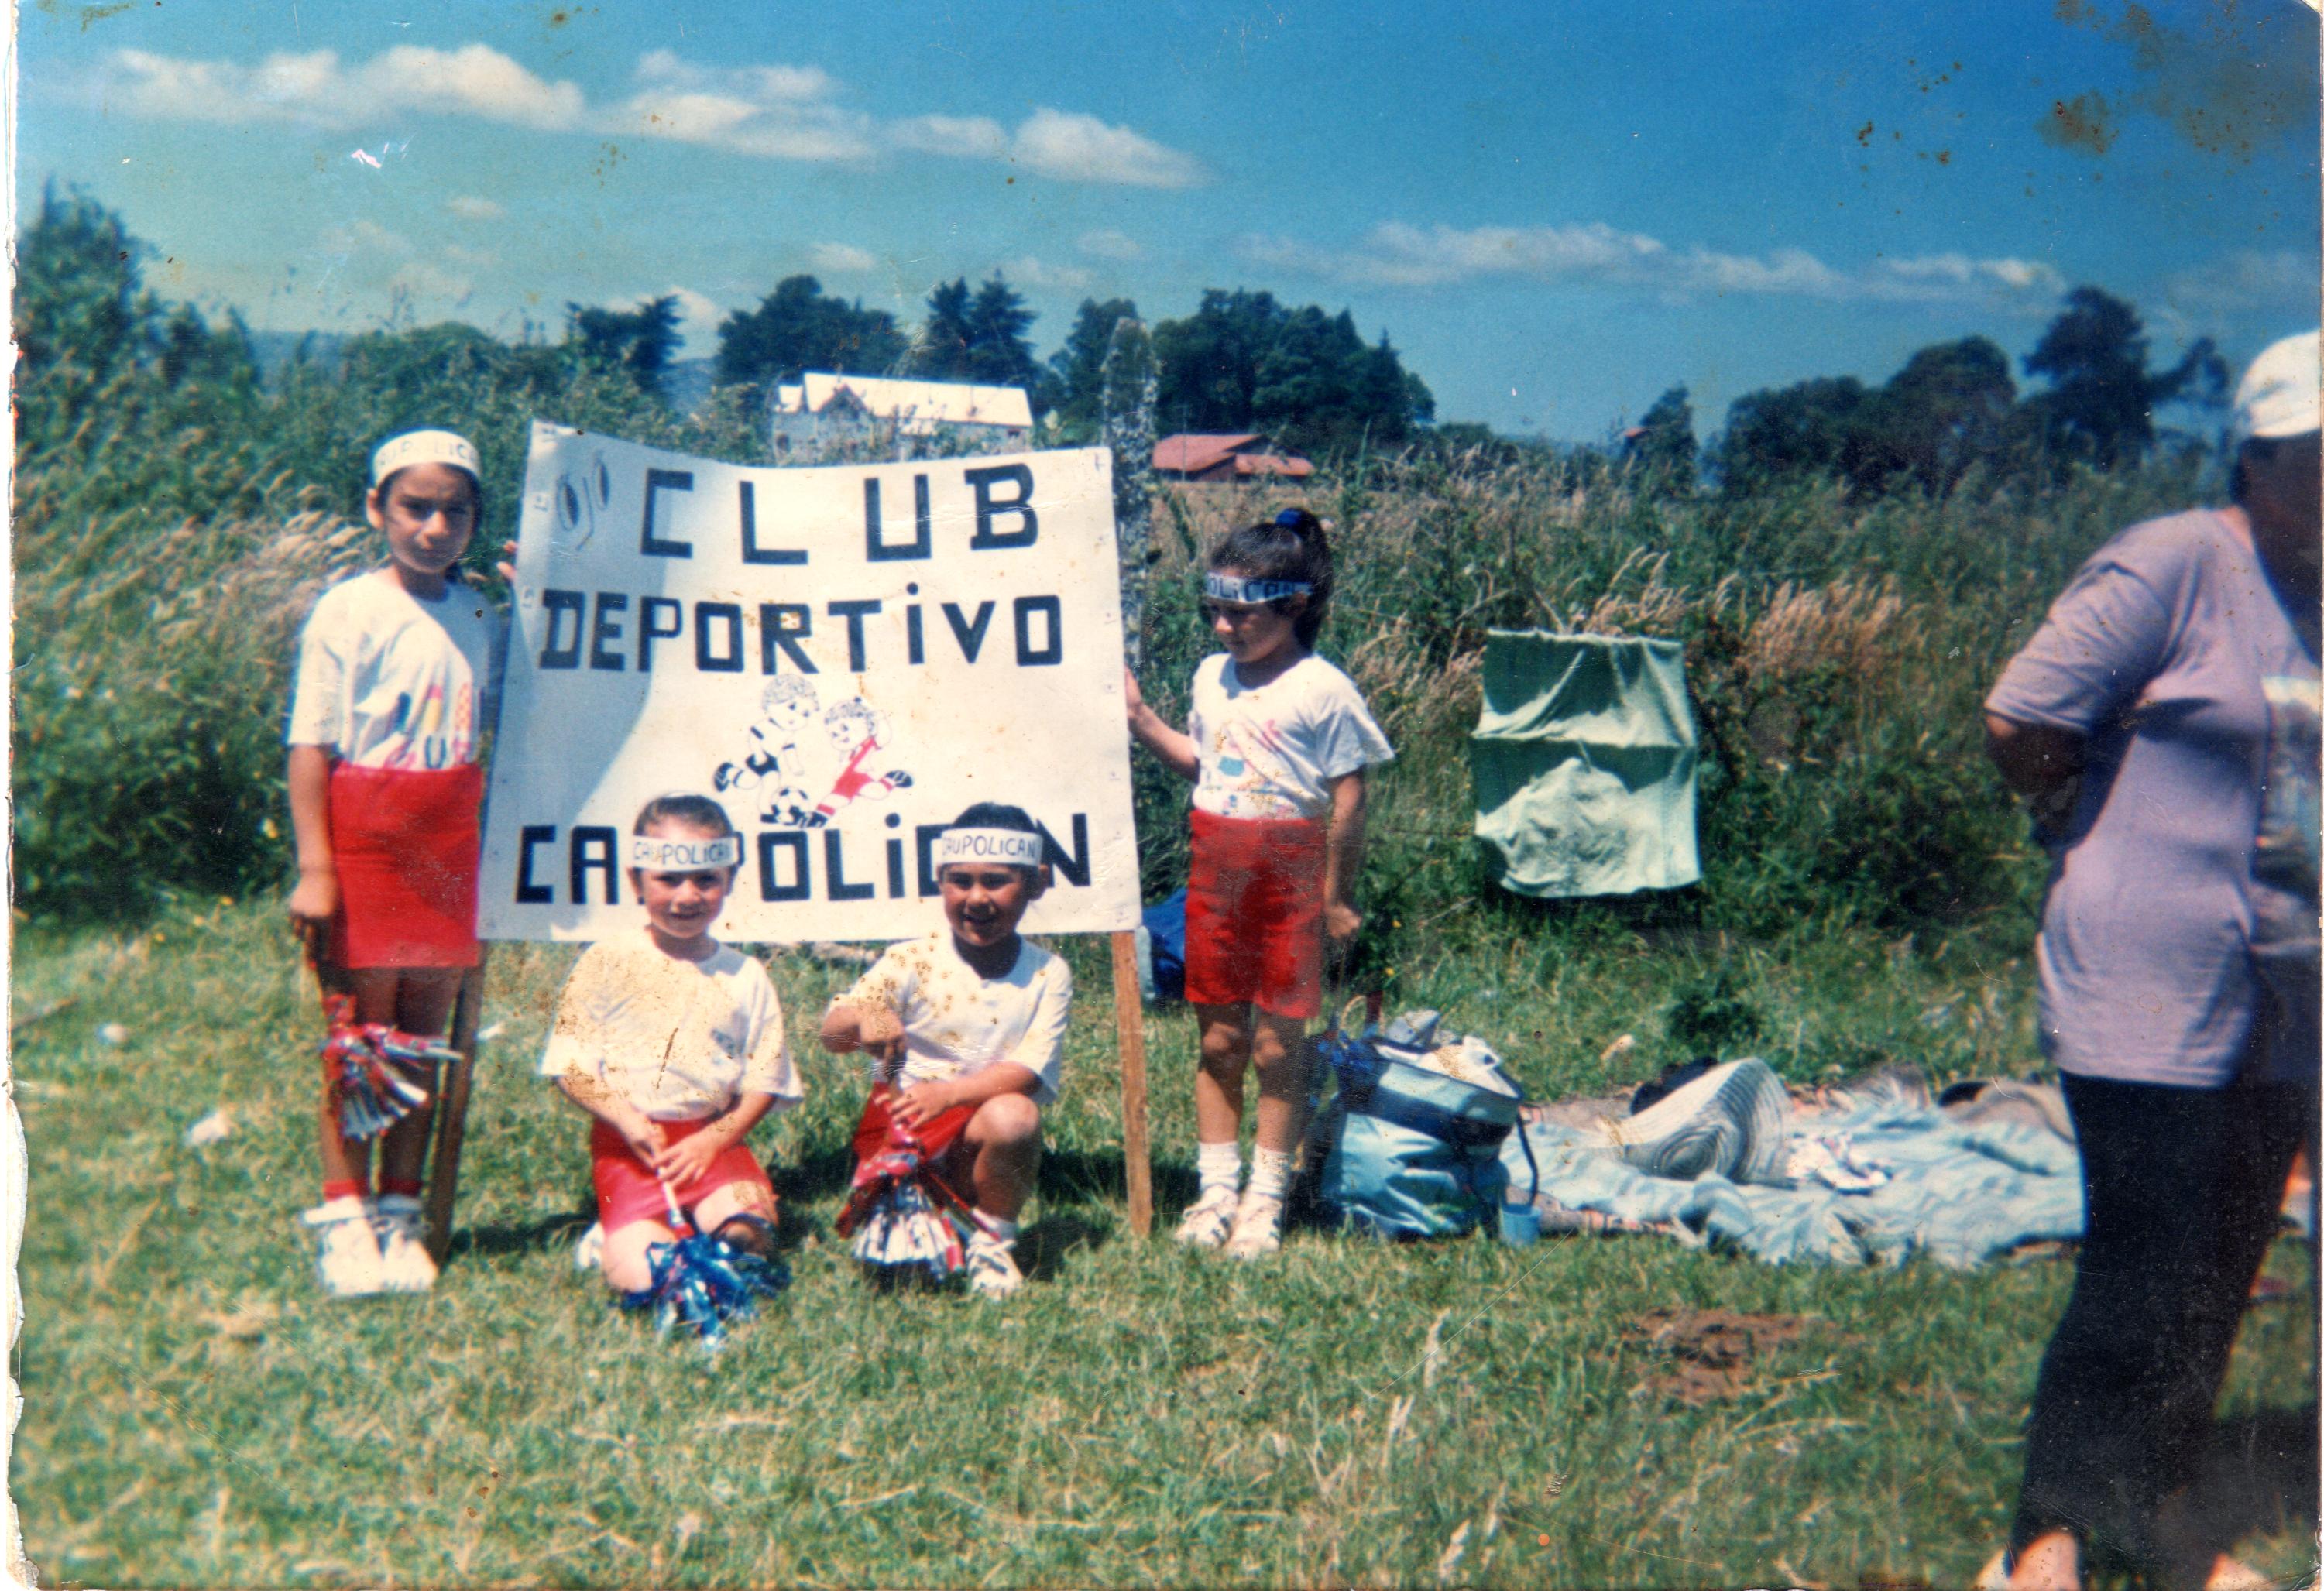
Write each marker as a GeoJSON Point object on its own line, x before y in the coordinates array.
{"type": "Point", "coordinates": [673, 1042]}
{"type": "Point", "coordinates": [395, 667]}
{"type": "Point", "coordinates": [1278, 741]}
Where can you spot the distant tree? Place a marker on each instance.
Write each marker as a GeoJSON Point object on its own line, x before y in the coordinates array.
{"type": "Point", "coordinates": [799, 327]}
{"type": "Point", "coordinates": [2100, 402]}
{"type": "Point", "coordinates": [979, 336]}
{"type": "Point", "coordinates": [1952, 405]}
{"type": "Point", "coordinates": [999, 353]}
{"type": "Point", "coordinates": [1077, 370]}
{"type": "Point", "coordinates": [1780, 432]}
{"type": "Point", "coordinates": [189, 349]}
{"type": "Point", "coordinates": [640, 341]}
{"type": "Point", "coordinates": [1665, 443]}
{"type": "Point", "coordinates": [1946, 410]}
{"type": "Point", "coordinates": [77, 291]}
{"type": "Point", "coordinates": [1243, 362]}
{"type": "Point", "coordinates": [943, 348]}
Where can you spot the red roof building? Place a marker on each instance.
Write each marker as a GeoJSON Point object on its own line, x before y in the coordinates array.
{"type": "Point", "coordinates": [1194, 456]}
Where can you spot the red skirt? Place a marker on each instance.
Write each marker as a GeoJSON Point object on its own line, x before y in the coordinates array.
{"type": "Point", "coordinates": [629, 1193]}
{"type": "Point", "coordinates": [1255, 915]}
{"type": "Point", "coordinates": [935, 1136]}
{"type": "Point", "coordinates": [405, 843]}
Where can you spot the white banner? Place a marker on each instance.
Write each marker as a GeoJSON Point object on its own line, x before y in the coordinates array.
{"type": "Point", "coordinates": [843, 659]}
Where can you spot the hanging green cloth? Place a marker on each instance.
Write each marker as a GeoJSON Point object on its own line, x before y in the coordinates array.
{"type": "Point", "coordinates": [1584, 760]}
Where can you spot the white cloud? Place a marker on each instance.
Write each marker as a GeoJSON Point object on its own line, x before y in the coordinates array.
{"type": "Point", "coordinates": [1078, 148]}
{"type": "Point", "coordinates": [1109, 245]}
{"type": "Point", "coordinates": [317, 89]}
{"type": "Point", "coordinates": [2276, 282]}
{"type": "Point", "coordinates": [969, 137]}
{"type": "Point", "coordinates": [425, 279]}
{"type": "Point", "coordinates": [698, 315]}
{"type": "Point", "coordinates": [469, 208]}
{"type": "Point", "coordinates": [763, 83]}
{"type": "Point", "coordinates": [1396, 253]}
{"type": "Point", "coordinates": [1961, 271]}
{"type": "Point", "coordinates": [839, 259]}
{"type": "Point", "coordinates": [364, 235]}
{"type": "Point", "coordinates": [1028, 271]}
{"type": "Point", "coordinates": [772, 112]}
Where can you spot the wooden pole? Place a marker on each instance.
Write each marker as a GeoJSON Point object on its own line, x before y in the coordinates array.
{"type": "Point", "coordinates": [452, 1110]}
{"type": "Point", "coordinates": [1128, 380]}
{"type": "Point", "coordinates": [1129, 1035]}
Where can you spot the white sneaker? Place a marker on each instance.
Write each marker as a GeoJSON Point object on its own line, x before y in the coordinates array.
{"type": "Point", "coordinates": [1207, 1219]}
{"type": "Point", "coordinates": [347, 1255]}
{"type": "Point", "coordinates": [404, 1263]}
{"type": "Point", "coordinates": [992, 1270]}
{"type": "Point", "coordinates": [589, 1249]}
{"type": "Point", "coordinates": [1257, 1227]}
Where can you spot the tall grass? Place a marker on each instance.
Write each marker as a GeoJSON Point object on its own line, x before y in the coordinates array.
{"type": "Point", "coordinates": [1837, 654]}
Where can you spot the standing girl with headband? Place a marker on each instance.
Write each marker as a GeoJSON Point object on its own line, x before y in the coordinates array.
{"type": "Point", "coordinates": [1277, 743]}
{"type": "Point", "coordinates": [396, 668]}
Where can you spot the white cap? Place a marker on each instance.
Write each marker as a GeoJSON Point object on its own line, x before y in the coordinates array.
{"type": "Point", "coordinates": [2278, 396]}
{"type": "Point", "coordinates": [420, 448]}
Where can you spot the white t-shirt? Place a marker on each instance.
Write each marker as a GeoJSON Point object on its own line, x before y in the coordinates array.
{"type": "Point", "coordinates": [956, 1023]}
{"type": "Point", "coordinates": [386, 680]}
{"type": "Point", "coordinates": [1272, 750]}
{"type": "Point", "coordinates": [682, 1041]}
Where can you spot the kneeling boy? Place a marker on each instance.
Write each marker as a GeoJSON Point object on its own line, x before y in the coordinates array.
{"type": "Point", "coordinates": [967, 1028]}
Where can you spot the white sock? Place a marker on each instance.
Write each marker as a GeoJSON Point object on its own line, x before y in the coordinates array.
{"type": "Point", "coordinates": [1219, 1168]}
{"type": "Point", "coordinates": [1005, 1231]}
{"type": "Point", "coordinates": [1270, 1173]}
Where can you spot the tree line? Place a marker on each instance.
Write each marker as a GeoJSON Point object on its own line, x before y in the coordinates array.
{"type": "Point", "coordinates": [1242, 361]}
{"type": "Point", "coordinates": [1953, 407]}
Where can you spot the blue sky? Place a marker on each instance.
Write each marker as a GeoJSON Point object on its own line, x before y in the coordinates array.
{"type": "Point", "coordinates": [1555, 210]}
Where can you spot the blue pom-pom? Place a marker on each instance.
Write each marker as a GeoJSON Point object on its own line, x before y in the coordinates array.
{"type": "Point", "coordinates": [699, 1283]}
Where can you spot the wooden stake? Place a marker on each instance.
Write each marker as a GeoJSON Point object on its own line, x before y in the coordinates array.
{"type": "Point", "coordinates": [1128, 402]}
{"type": "Point", "coordinates": [1129, 1035]}
{"type": "Point", "coordinates": [452, 1110]}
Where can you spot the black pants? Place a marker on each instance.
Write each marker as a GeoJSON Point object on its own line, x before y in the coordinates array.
{"type": "Point", "coordinates": [2182, 1190]}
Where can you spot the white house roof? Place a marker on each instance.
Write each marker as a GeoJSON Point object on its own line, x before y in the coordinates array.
{"type": "Point", "coordinates": [915, 407]}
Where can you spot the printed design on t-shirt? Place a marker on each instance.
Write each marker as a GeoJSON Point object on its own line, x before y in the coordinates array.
{"type": "Point", "coordinates": [2286, 854]}
{"type": "Point", "coordinates": [425, 735]}
{"type": "Point", "coordinates": [1247, 770]}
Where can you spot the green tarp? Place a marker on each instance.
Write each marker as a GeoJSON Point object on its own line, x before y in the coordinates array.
{"type": "Point", "coordinates": [1584, 758]}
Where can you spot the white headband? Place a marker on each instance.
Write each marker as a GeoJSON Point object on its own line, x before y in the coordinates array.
{"type": "Point", "coordinates": [659, 853]}
{"type": "Point", "coordinates": [419, 447]}
{"type": "Point", "coordinates": [1010, 846]}
{"type": "Point", "coordinates": [1234, 588]}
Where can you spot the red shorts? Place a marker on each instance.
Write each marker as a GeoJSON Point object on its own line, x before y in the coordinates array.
{"type": "Point", "coordinates": [1255, 915]}
{"type": "Point", "coordinates": [627, 1192]}
{"type": "Point", "coordinates": [404, 842]}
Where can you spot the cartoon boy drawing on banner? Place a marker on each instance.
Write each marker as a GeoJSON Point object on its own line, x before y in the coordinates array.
{"type": "Point", "coordinates": [774, 760]}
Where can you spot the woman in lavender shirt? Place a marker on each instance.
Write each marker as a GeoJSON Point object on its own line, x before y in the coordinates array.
{"type": "Point", "coordinates": [2162, 725]}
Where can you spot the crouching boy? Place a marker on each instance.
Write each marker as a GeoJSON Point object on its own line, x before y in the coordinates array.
{"type": "Point", "coordinates": [964, 1033]}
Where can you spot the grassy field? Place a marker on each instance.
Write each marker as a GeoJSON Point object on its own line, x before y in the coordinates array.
{"type": "Point", "coordinates": [196, 1414]}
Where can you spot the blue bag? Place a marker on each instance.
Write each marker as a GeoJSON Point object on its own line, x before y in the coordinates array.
{"type": "Point", "coordinates": [1412, 1152]}
{"type": "Point", "coordinates": [1162, 951]}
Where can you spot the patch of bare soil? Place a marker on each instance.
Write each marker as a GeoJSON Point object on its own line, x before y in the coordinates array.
{"type": "Point", "coordinates": [1707, 1355]}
